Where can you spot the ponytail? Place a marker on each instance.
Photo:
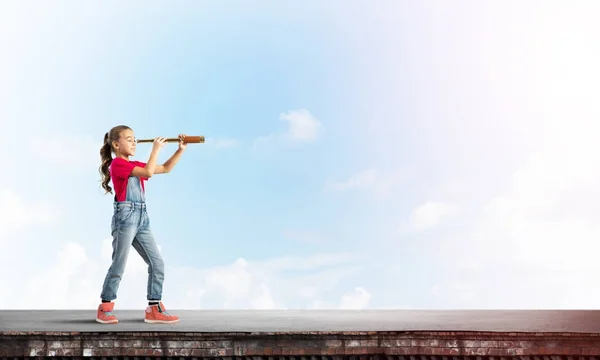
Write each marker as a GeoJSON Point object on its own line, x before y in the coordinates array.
{"type": "Point", "coordinates": [106, 157]}
{"type": "Point", "coordinates": [106, 154]}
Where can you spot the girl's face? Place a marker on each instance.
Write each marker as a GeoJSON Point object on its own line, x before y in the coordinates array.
{"type": "Point", "coordinates": [126, 144]}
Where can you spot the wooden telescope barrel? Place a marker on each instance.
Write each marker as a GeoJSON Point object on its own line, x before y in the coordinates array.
{"type": "Point", "coordinates": [187, 140]}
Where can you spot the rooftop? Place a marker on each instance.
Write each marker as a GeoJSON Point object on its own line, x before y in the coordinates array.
{"type": "Point", "coordinates": [294, 321]}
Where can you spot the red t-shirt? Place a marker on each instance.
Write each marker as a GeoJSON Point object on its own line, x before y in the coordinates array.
{"type": "Point", "coordinates": [120, 171]}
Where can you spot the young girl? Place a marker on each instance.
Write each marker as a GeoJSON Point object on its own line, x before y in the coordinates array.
{"type": "Point", "coordinates": [130, 223]}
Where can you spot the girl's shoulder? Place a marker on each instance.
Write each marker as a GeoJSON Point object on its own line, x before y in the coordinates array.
{"type": "Point", "coordinates": [137, 163]}
{"type": "Point", "coordinates": [120, 161]}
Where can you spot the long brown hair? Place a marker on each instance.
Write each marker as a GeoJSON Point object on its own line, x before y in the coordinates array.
{"type": "Point", "coordinates": [106, 154]}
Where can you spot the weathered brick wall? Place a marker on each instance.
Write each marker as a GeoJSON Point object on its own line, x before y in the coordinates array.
{"type": "Point", "coordinates": [363, 345]}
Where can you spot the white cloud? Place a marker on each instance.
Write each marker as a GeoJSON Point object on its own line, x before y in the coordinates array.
{"type": "Point", "coordinates": [359, 299]}
{"type": "Point", "coordinates": [64, 284]}
{"type": "Point", "coordinates": [370, 179]}
{"type": "Point", "coordinates": [74, 277]}
{"type": "Point", "coordinates": [356, 300]}
{"type": "Point", "coordinates": [430, 214]}
{"type": "Point", "coordinates": [302, 124]}
{"type": "Point", "coordinates": [549, 217]}
{"type": "Point", "coordinates": [303, 128]}
{"type": "Point", "coordinates": [53, 149]}
{"type": "Point", "coordinates": [459, 291]}
{"type": "Point", "coordinates": [307, 263]}
{"type": "Point", "coordinates": [238, 286]}
{"type": "Point", "coordinates": [365, 178]}
{"type": "Point", "coordinates": [16, 213]}
{"type": "Point", "coordinates": [539, 235]}
{"type": "Point", "coordinates": [304, 236]}
{"type": "Point", "coordinates": [222, 143]}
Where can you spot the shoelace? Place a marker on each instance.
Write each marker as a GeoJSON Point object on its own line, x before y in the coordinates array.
{"type": "Point", "coordinates": [109, 313]}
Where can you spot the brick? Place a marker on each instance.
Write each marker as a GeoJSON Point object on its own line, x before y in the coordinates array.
{"type": "Point", "coordinates": [360, 343]}
{"type": "Point", "coordinates": [35, 344]}
{"type": "Point", "coordinates": [399, 351]}
{"type": "Point", "coordinates": [432, 343]}
{"type": "Point", "coordinates": [526, 344]}
{"type": "Point", "coordinates": [218, 352]}
{"type": "Point", "coordinates": [575, 351]}
{"type": "Point", "coordinates": [154, 344]}
{"type": "Point", "coordinates": [199, 344]}
{"type": "Point", "coordinates": [425, 350]}
{"type": "Point", "coordinates": [507, 352]}
{"type": "Point", "coordinates": [65, 352]}
{"type": "Point", "coordinates": [506, 344]}
{"type": "Point", "coordinates": [333, 343]}
{"type": "Point", "coordinates": [199, 352]}
{"type": "Point", "coordinates": [175, 352]}
{"type": "Point", "coordinates": [357, 350]}
{"type": "Point", "coordinates": [36, 351]}
{"type": "Point", "coordinates": [174, 344]}
{"type": "Point", "coordinates": [219, 344]}
{"type": "Point", "coordinates": [144, 352]}
{"type": "Point", "coordinates": [494, 352]}
{"type": "Point", "coordinates": [450, 351]}
{"type": "Point", "coordinates": [451, 344]}
{"type": "Point", "coordinates": [393, 343]}
{"type": "Point", "coordinates": [157, 352]}
{"type": "Point", "coordinates": [471, 344]}
{"type": "Point", "coordinates": [489, 344]}
{"type": "Point", "coordinates": [437, 351]}
{"type": "Point", "coordinates": [224, 352]}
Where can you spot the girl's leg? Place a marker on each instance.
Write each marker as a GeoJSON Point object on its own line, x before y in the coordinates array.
{"type": "Point", "coordinates": [124, 227]}
{"type": "Point", "coordinates": [145, 244]}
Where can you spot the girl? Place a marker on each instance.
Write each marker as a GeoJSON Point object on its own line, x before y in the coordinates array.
{"type": "Point", "coordinates": [130, 223]}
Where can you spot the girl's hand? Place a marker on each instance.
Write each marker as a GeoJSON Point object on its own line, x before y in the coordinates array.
{"type": "Point", "coordinates": [158, 143]}
{"type": "Point", "coordinates": [182, 145]}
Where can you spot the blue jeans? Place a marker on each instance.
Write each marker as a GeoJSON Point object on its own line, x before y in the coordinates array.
{"type": "Point", "coordinates": [131, 227]}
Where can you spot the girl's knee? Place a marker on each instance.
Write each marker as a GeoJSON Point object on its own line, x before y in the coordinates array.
{"type": "Point", "coordinates": [158, 265]}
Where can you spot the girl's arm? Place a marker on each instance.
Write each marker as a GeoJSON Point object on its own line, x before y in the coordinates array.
{"type": "Point", "coordinates": [170, 164]}
{"type": "Point", "coordinates": [151, 167]}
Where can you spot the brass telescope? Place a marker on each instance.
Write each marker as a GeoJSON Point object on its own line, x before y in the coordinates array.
{"type": "Point", "coordinates": [186, 140]}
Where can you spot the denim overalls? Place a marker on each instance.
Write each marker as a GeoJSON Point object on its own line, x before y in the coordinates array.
{"type": "Point", "coordinates": [131, 226]}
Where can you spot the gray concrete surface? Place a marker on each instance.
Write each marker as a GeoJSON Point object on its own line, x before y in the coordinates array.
{"type": "Point", "coordinates": [310, 320]}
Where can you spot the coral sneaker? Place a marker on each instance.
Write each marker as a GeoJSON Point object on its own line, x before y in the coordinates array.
{"type": "Point", "coordinates": [157, 314]}
{"type": "Point", "coordinates": [105, 315]}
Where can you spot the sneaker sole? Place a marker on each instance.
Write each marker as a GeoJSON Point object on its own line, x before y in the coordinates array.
{"type": "Point", "coordinates": [160, 321]}
{"type": "Point", "coordinates": [107, 321]}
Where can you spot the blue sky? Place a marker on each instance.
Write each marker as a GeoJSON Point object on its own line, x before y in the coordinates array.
{"type": "Point", "coordinates": [397, 155]}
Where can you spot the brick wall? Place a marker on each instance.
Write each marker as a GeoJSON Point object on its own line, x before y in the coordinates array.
{"type": "Point", "coordinates": [359, 345]}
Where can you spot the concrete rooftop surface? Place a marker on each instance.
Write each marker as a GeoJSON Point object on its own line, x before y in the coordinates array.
{"type": "Point", "coordinates": [584, 321]}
